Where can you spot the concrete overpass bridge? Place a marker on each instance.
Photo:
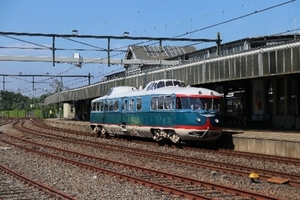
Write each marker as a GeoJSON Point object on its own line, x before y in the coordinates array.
{"type": "Point", "coordinates": [268, 76]}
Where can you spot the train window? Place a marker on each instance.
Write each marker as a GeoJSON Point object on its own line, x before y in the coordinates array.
{"type": "Point", "coordinates": [93, 106]}
{"type": "Point", "coordinates": [106, 106]}
{"type": "Point", "coordinates": [161, 84]}
{"type": "Point", "coordinates": [167, 102]}
{"type": "Point", "coordinates": [185, 103]}
{"type": "Point", "coordinates": [161, 102]}
{"type": "Point", "coordinates": [169, 83]}
{"type": "Point", "coordinates": [131, 101]}
{"type": "Point", "coordinates": [149, 86]}
{"type": "Point", "coordinates": [111, 105]}
{"type": "Point", "coordinates": [179, 84]}
{"type": "Point", "coordinates": [216, 104]}
{"type": "Point", "coordinates": [178, 103]}
{"type": "Point", "coordinates": [116, 105]}
{"type": "Point", "coordinates": [154, 103]}
{"type": "Point", "coordinates": [195, 103]}
{"type": "Point", "coordinates": [139, 104]}
{"type": "Point", "coordinates": [100, 107]}
{"type": "Point", "coordinates": [206, 104]}
{"type": "Point", "coordinates": [124, 104]}
{"type": "Point", "coordinates": [96, 106]}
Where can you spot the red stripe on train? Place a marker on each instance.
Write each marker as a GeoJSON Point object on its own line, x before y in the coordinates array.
{"type": "Point", "coordinates": [205, 126]}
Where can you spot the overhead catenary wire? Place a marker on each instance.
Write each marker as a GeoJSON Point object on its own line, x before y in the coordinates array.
{"type": "Point", "coordinates": [58, 49]}
{"type": "Point", "coordinates": [190, 32]}
{"type": "Point", "coordinates": [26, 41]}
{"type": "Point", "coordinates": [121, 69]}
{"type": "Point", "coordinates": [220, 23]}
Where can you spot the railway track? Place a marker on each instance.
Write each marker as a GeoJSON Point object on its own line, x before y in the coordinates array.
{"type": "Point", "coordinates": [294, 179]}
{"type": "Point", "coordinates": [5, 121]}
{"type": "Point", "coordinates": [175, 184]}
{"type": "Point", "coordinates": [35, 132]}
{"type": "Point", "coordinates": [256, 156]}
{"type": "Point", "coordinates": [17, 186]}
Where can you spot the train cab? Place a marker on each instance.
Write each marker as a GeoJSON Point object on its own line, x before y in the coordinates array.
{"type": "Point", "coordinates": [164, 83]}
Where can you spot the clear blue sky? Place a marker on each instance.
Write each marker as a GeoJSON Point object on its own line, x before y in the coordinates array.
{"type": "Point", "coordinates": [156, 18]}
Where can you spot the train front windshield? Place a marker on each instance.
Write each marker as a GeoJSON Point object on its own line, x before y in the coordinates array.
{"type": "Point", "coordinates": [196, 103]}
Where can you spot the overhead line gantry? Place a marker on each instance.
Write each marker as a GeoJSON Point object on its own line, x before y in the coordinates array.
{"type": "Point", "coordinates": [109, 61]}
{"type": "Point", "coordinates": [44, 75]}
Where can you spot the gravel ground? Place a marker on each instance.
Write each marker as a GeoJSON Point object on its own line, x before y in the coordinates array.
{"type": "Point", "coordinates": [86, 184]}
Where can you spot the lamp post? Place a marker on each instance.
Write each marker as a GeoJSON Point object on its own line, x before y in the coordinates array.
{"type": "Point", "coordinates": [31, 105]}
{"type": "Point", "coordinates": [7, 111]}
{"type": "Point", "coordinates": [42, 115]}
{"type": "Point", "coordinates": [59, 113]}
{"type": "Point", "coordinates": [20, 107]}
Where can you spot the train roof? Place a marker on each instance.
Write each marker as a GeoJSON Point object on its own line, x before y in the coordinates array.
{"type": "Point", "coordinates": [188, 91]}
{"type": "Point", "coordinates": [119, 90]}
{"type": "Point", "coordinates": [153, 85]}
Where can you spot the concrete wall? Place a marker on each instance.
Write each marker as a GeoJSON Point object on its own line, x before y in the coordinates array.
{"type": "Point", "coordinates": [77, 126]}
{"type": "Point", "coordinates": [268, 146]}
{"type": "Point", "coordinates": [263, 143]}
{"type": "Point", "coordinates": [68, 112]}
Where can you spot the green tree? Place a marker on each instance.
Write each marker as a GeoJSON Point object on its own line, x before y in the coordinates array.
{"type": "Point", "coordinates": [58, 86]}
{"type": "Point", "coordinates": [17, 105]}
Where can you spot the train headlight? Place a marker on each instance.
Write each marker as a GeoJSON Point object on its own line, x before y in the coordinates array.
{"type": "Point", "coordinates": [198, 119]}
{"type": "Point", "coordinates": [216, 120]}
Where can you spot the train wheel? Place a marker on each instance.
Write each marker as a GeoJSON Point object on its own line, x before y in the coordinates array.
{"type": "Point", "coordinates": [174, 138]}
{"type": "Point", "coordinates": [104, 133]}
{"type": "Point", "coordinates": [97, 131]}
{"type": "Point", "coordinates": [156, 135]}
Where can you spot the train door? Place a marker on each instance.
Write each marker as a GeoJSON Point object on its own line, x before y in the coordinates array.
{"type": "Point", "coordinates": [172, 110]}
{"type": "Point", "coordinates": [124, 102]}
{"type": "Point", "coordinates": [105, 109]}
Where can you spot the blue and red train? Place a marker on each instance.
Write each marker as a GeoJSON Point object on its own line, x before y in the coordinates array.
{"type": "Point", "coordinates": [164, 109]}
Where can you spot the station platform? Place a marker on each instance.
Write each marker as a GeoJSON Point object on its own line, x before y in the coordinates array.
{"type": "Point", "coordinates": [284, 143]}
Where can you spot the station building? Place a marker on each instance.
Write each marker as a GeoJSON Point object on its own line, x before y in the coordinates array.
{"type": "Point", "coordinates": [261, 74]}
